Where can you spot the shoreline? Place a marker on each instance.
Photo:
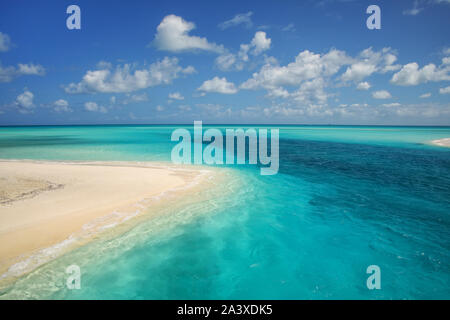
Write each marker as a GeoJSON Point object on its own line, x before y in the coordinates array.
{"type": "Point", "coordinates": [48, 208]}
{"type": "Point", "coordinates": [445, 142]}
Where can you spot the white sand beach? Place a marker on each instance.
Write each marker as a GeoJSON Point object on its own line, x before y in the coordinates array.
{"type": "Point", "coordinates": [46, 203]}
{"type": "Point", "coordinates": [442, 142]}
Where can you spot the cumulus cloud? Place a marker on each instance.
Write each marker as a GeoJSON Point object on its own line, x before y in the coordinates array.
{"type": "Point", "coordinates": [358, 71]}
{"type": "Point", "coordinates": [369, 62]}
{"type": "Point", "coordinates": [306, 67]}
{"type": "Point", "coordinates": [173, 35]}
{"type": "Point", "coordinates": [257, 45]}
{"type": "Point", "coordinates": [9, 73]}
{"type": "Point", "coordinates": [425, 95]}
{"type": "Point", "coordinates": [311, 92]}
{"type": "Point", "coordinates": [363, 86]}
{"type": "Point", "coordinates": [411, 74]}
{"type": "Point", "coordinates": [382, 94]}
{"type": "Point", "coordinates": [126, 79]}
{"type": "Point", "coordinates": [61, 105]}
{"type": "Point", "coordinates": [260, 42]}
{"type": "Point", "coordinates": [94, 107]}
{"type": "Point", "coordinates": [176, 96]}
{"type": "Point", "coordinates": [24, 101]}
{"type": "Point", "coordinates": [189, 70]}
{"type": "Point", "coordinates": [226, 61]}
{"type": "Point", "coordinates": [444, 90]}
{"type": "Point", "coordinates": [5, 42]}
{"type": "Point", "coordinates": [241, 18]}
{"type": "Point", "coordinates": [303, 84]}
{"type": "Point", "coordinates": [310, 73]}
{"type": "Point", "coordinates": [219, 85]}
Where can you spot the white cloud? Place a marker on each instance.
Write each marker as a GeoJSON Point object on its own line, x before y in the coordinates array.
{"type": "Point", "coordinates": [159, 108]}
{"type": "Point", "coordinates": [382, 94]}
{"type": "Point", "coordinates": [241, 18]}
{"type": "Point", "coordinates": [219, 85]}
{"type": "Point", "coordinates": [135, 98]}
{"type": "Point", "coordinates": [24, 101]}
{"type": "Point", "coordinates": [425, 95]}
{"type": "Point", "coordinates": [311, 74]}
{"type": "Point", "coordinates": [189, 70]}
{"type": "Point", "coordinates": [415, 10]}
{"type": "Point", "coordinates": [125, 79]}
{"type": "Point", "coordinates": [94, 107]}
{"type": "Point", "coordinates": [411, 74]}
{"type": "Point", "coordinates": [257, 45]}
{"type": "Point", "coordinates": [61, 105]}
{"type": "Point", "coordinates": [311, 92]}
{"type": "Point", "coordinates": [173, 35]}
{"type": "Point", "coordinates": [260, 42]}
{"type": "Point", "coordinates": [391, 105]}
{"type": "Point", "coordinates": [363, 86]}
{"type": "Point", "coordinates": [307, 66]}
{"type": "Point", "coordinates": [176, 96]}
{"type": "Point", "coordinates": [5, 42]}
{"type": "Point", "coordinates": [444, 90]}
{"type": "Point", "coordinates": [358, 71]}
{"type": "Point", "coordinates": [279, 92]}
{"type": "Point", "coordinates": [359, 105]}
{"type": "Point", "coordinates": [30, 69]}
{"type": "Point", "coordinates": [7, 74]}
{"type": "Point", "coordinates": [226, 61]}
{"type": "Point", "coordinates": [369, 62]}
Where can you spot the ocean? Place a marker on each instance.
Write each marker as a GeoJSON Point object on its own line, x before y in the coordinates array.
{"type": "Point", "coordinates": [345, 198]}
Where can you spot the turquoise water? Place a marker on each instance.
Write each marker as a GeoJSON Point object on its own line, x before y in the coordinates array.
{"type": "Point", "coordinates": [344, 198]}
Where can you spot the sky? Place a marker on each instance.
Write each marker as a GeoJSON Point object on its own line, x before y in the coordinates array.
{"type": "Point", "coordinates": [225, 62]}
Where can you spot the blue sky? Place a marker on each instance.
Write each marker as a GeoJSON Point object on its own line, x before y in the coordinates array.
{"type": "Point", "coordinates": [282, 62]}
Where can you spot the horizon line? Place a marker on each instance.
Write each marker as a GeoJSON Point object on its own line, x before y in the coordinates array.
{"type": "Point", "coordinates": [220, 124]}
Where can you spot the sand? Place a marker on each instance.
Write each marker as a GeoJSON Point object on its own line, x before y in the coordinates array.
{"type": "Point", "coordinates": [442, 142]}
{"type": "Point", "coordinates": [46, 203]}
